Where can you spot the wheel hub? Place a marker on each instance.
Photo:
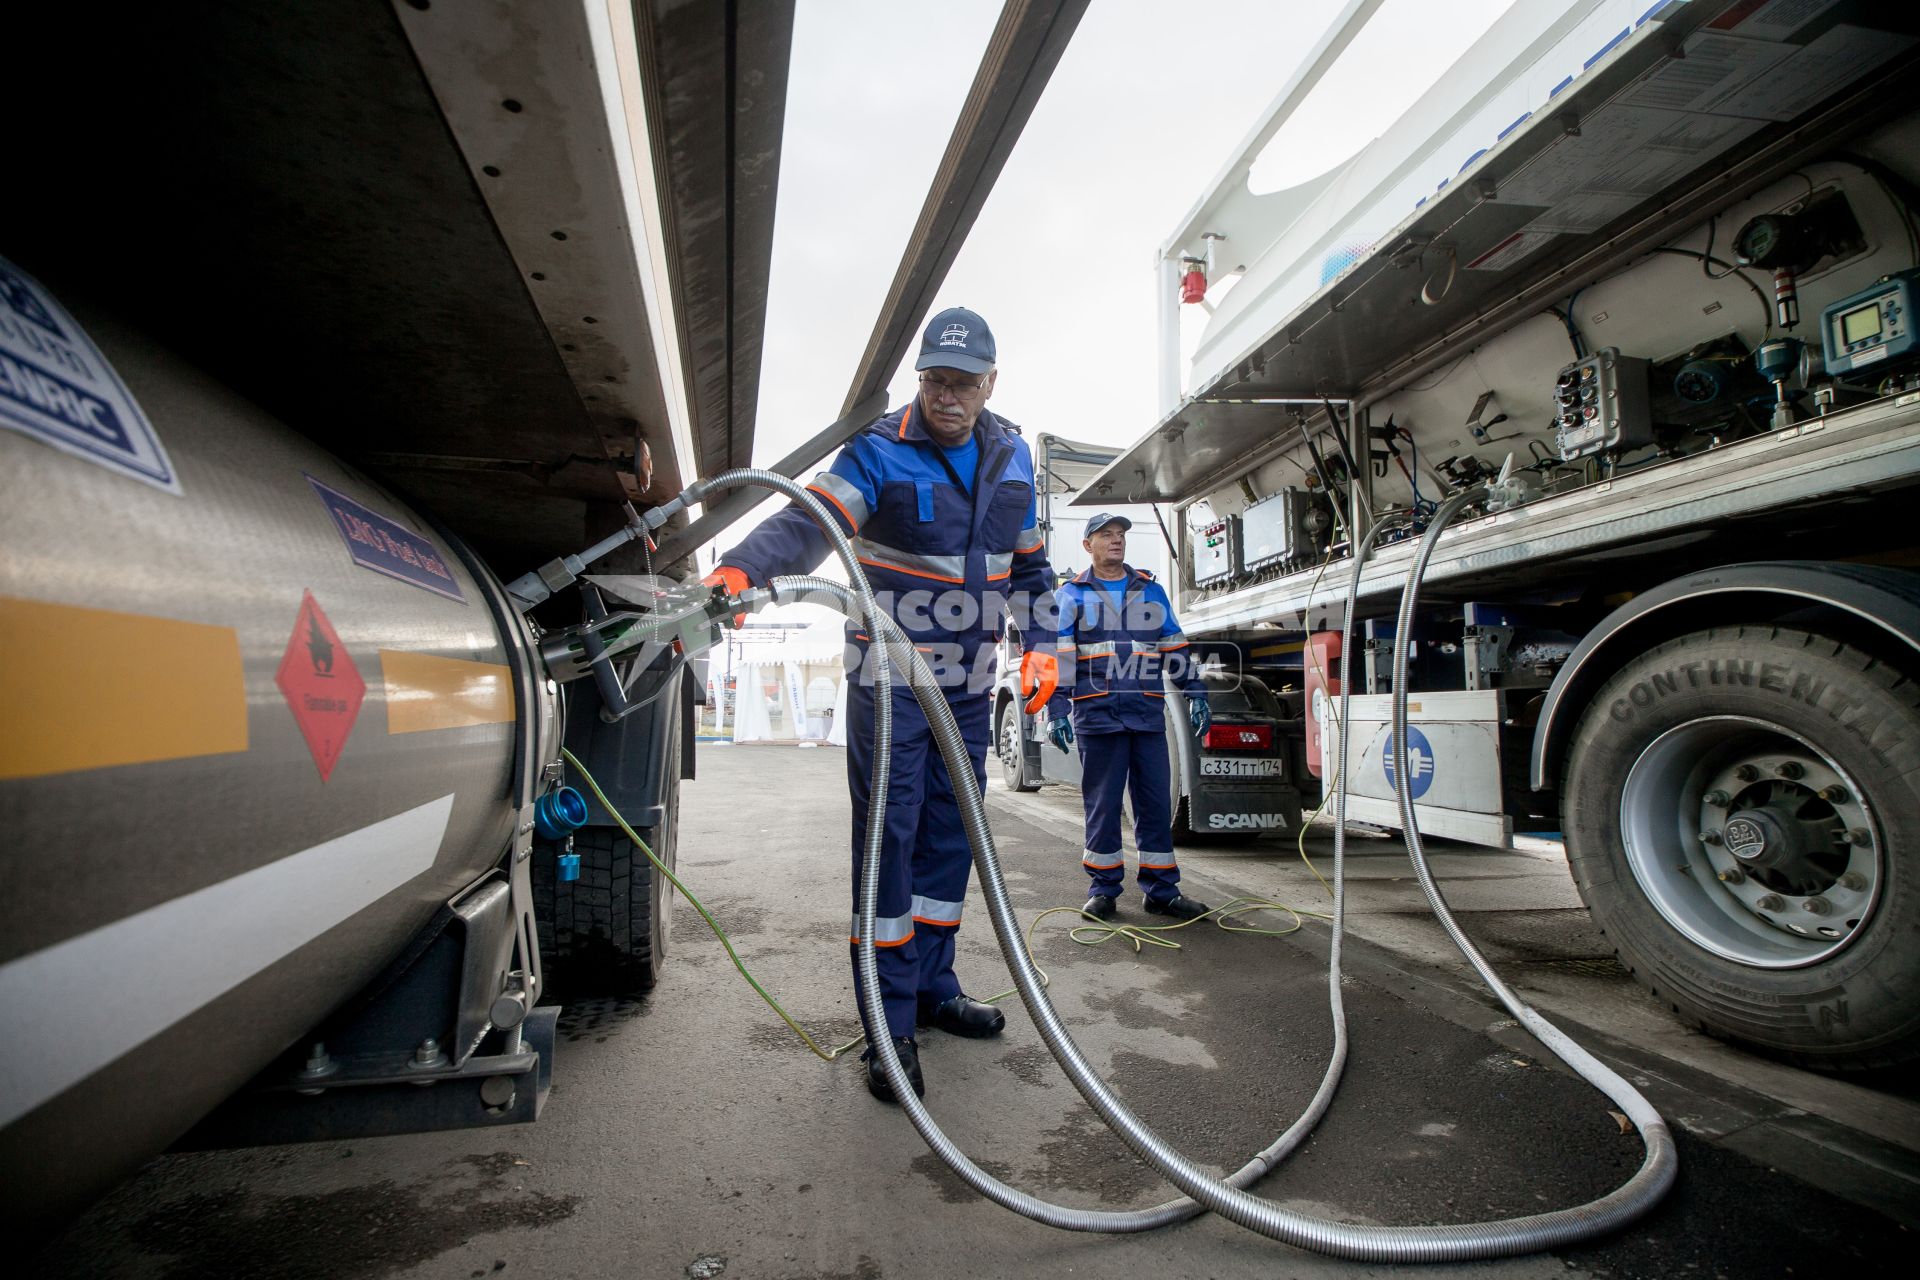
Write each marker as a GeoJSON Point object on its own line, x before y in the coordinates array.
{"type": "Point", "coordinates": [1751, 841]}
{"type": "Point", "coordinates": [1760, 838]}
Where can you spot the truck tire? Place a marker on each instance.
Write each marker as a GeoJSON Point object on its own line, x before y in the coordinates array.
{"type": "Point", "coordinates": [605, 934]}
{"type": "Point", "coordinates": [1011, 750]}
{"type": "Point", "coordinates": [1742, 815]}
{"type": "Point", "coordinates": [1183, 818]}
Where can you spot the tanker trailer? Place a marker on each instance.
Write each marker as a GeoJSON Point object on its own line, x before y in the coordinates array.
{"type": "Point", "coordinates": [318, 323]}
{"type": "Point", "coordinates": [284, 741]}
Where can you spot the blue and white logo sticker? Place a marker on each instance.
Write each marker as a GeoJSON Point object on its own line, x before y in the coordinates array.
{"type": "Point", "coordinates": [1420, 762]}
{"type": "Point", "coordinates": [57, 387]}
{"type": "Point", "coordinates": [384, 545]}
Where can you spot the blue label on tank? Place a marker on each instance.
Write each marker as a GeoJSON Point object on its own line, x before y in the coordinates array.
{"type": "Point", "coordinates": [57, 387]}
{"type": "Point", "coordinates": [386, 546]}
{"type": "Point", "coordinates": [1420, 762]}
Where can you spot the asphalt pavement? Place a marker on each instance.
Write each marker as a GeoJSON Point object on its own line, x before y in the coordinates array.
{"type": "Point", "coordinates": [690, 1135]}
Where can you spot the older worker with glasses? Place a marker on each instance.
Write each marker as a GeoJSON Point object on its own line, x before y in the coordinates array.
{"type": "Point", "coordinates": [938, 498]}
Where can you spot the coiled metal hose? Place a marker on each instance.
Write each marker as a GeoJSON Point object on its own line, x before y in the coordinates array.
{"type": "Point", "coordinates": [1456, 1242]}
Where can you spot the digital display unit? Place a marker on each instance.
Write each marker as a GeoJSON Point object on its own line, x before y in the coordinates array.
{"type": "Point", "coordinates": [1861, 324]}
{"type": "Point", "coordinates": [1872, 327]}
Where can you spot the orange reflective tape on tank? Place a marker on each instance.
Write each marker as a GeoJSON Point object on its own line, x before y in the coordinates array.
{"type": "Point", "coordinates": [91, 689]}
{"type": "Point", "coordinates": [425, 692]}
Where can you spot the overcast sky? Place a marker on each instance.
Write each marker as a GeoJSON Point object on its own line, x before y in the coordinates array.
{"type": "Point", "coordinates": [1149, 101]}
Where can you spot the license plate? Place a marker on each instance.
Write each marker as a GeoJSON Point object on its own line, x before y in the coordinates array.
{"type": "Point", "coordinates": [1214, 767]}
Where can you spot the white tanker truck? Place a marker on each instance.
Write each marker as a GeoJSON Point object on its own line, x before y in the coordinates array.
{"type": "Point", "coordinates": [1639, 279]}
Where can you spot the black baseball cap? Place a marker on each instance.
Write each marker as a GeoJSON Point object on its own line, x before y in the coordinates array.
{"type": "Point", "coordinates": [1096, 523]}
{"type": "Point", "coordinates": [957, 339]}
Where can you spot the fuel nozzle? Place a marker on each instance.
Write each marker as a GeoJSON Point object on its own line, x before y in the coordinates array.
{"type": "Point", "coordinates": [686, 618]}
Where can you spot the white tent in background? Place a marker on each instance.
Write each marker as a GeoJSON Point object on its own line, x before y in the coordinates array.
{"type": "Point", "coordinates": [837, 731]}
{"type": "Point", "coordinates": [774, 678]}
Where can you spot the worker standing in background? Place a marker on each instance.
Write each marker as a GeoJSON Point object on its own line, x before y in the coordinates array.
{"type": "Point", "coordinates": [1117, 634]}
{"type": "Point", "coordinates": [938, 499]}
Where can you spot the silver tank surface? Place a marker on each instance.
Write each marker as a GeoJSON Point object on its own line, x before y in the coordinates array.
{"type": "Point", "coordinates": [240, 767]}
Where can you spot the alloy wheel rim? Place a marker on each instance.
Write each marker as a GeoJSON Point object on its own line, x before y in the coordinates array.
{"type": "Point", "coordinates": [1752, 842]}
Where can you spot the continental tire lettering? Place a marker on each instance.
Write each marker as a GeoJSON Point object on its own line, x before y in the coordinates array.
{"type": "Point", "coordinates": [1807, 689]}
{"type": "Point", "coordinates": [1730, 671]}
{"type": "Point", "coordinates": [1863, 722]}
{"type": "Point", "coordinates": [1833, 1015]}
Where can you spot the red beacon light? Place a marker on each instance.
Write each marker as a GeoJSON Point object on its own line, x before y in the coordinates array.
{"type": "Point", "coordinates": [1193, 285]}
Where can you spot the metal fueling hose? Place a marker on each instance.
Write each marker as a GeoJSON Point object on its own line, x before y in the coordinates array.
{"type": "Point", "coordinates": [865, 965]}
{"type": "Point", "coordinates": [888, 641]}
{"type": "Point", "coordinates": [1399, 1244]}
{"type": "Point", "coordinates": [1658, 1170]}
{"type": "Point", "coordinates": [954, 754]}
{"type": "Point", "coordinates": [1385, 1244]}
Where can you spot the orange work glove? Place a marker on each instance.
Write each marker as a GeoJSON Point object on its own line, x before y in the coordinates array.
{"type": "Point", "coordinates": [1039, 677]}
{"type": "Point", "coordinates": [731, 580]}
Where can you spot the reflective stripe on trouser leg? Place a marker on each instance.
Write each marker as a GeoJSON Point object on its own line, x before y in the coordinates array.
{"type": "Point", "coordinates": [899, 963]}
{"type": "Point", "coordinates": [942, 860]}
{"type": "Point", "coordinates": [1150, 783]}
{"type": "Point", "coordinates": [1103, 776]}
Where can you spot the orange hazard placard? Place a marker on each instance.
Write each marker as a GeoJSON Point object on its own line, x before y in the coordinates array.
{"type": "Point", "coordinates": [321, 684]}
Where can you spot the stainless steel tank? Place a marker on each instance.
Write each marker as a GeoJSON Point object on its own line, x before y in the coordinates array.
{"type": "Point", "coordinates": [259, 723]}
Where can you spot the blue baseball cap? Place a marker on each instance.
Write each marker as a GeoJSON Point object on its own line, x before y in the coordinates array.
{"type": "Point", "coordinates": [956, 339]}
{"type": "Point", "coordinates": [1096, 523]}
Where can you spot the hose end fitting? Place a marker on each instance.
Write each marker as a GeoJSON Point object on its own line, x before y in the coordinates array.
{"type": "Point", "coordinates": [559, 813]}
{"type": "Point", "coordinates": [748, 601]}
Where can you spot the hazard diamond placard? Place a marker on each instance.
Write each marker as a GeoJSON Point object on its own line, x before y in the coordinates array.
{"type": "Point", "coordinates": [321, 684]}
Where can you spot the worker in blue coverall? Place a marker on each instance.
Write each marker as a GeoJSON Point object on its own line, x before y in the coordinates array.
{"type": "Point", "coordinates": [938, 499]}
{"type": "Point", "coordinates": [1117, 635]}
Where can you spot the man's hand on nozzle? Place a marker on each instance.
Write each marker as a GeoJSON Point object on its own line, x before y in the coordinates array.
{"type": "Point", "coordinates": [1199, 714]}
{"type": "Point", "coordinates": [1060, 732]}
{"type": "Point", "coordinates": [732, 581]}
{"type": "Point", "coordinates": [1039, 677]}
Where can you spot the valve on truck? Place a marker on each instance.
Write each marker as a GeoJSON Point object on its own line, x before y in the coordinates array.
{"type": "Point", "coordinates": [1777, 361]}
{"type": "Point", "coordinates": [679, 624]}
{"type": "Point", "coordinates": [559, 813]}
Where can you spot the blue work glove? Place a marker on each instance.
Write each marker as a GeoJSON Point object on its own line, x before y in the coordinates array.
{"type": "Point", "coordinates": [1060, 732]}
{"type": "Point", "coordinates": [1199, 714]}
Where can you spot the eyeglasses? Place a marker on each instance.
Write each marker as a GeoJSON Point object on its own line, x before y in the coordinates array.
{"type": "Point", "coordinates": [960, 390]}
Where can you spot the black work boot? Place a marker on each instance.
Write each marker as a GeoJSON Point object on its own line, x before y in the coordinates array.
{"type": "Point", "coordinates": [877, 1075]}
{"type": "Point", "coordinates": [1179, 906]}
{"type": "Point", "coordinates": [1102, 906]}
{"type": "Point", "coordinates": [963, 1016]}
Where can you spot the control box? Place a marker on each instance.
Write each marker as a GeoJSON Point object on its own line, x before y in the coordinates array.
{"type": "Point", "coordinates": [1273, 531]}
{"type": "Point", "coordinates": [1216, 552]}
{"type": "Point", "coordinates": [1602, 404]}
{"type": "Point", "coordinates": [1872, 326]}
